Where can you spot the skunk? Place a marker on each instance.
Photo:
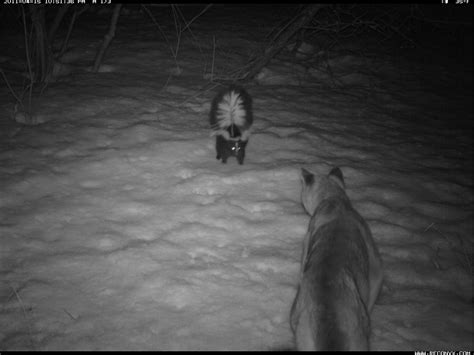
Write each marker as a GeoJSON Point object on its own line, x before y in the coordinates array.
{"type": "Point", "coordinates": [230, 118]}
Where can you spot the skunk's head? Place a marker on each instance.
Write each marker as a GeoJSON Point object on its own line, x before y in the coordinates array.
{"type": "Point", "coordinates": [238, 150]}
{"type": "Point", "coordinates": [236, 146]}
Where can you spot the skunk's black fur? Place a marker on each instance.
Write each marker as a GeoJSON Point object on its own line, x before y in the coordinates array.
{"type": "Point", "coordinates": [231, 147]}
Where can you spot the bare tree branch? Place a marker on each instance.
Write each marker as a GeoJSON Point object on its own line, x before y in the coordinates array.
{"type": "Point", "coordinates": [107, 38]}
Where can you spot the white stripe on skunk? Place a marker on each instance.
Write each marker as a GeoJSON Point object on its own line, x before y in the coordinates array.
{"type": "Point", "coordinates": [232, 106]}
{"type": "Point", "coordinates": [230, 110]}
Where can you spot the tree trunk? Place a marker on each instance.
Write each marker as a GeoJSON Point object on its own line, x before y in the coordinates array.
{"type": "Point", "coordinates": [107, 38]}
{"type": "Point", "coordinates": [75, 15]}
{"type": "Point", "coordinates": [57, 21]}
{"type": "Point", "coordinates": [281, 39]}
{"type": "Point", "coordinates": [42, 55]}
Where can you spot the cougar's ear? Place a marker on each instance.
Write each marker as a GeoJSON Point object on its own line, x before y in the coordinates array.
{"type": "Point", "coordinates": [336, 175]}
{"type": "Point", "coordinates": [307, 177]}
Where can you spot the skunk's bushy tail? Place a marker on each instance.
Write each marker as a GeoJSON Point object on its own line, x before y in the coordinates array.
{"type": "Point", "coordinates": [231, 107]}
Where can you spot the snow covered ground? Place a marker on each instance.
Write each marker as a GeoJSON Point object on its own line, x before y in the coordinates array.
{"type": "Point", "coordinates": [119, 230]}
